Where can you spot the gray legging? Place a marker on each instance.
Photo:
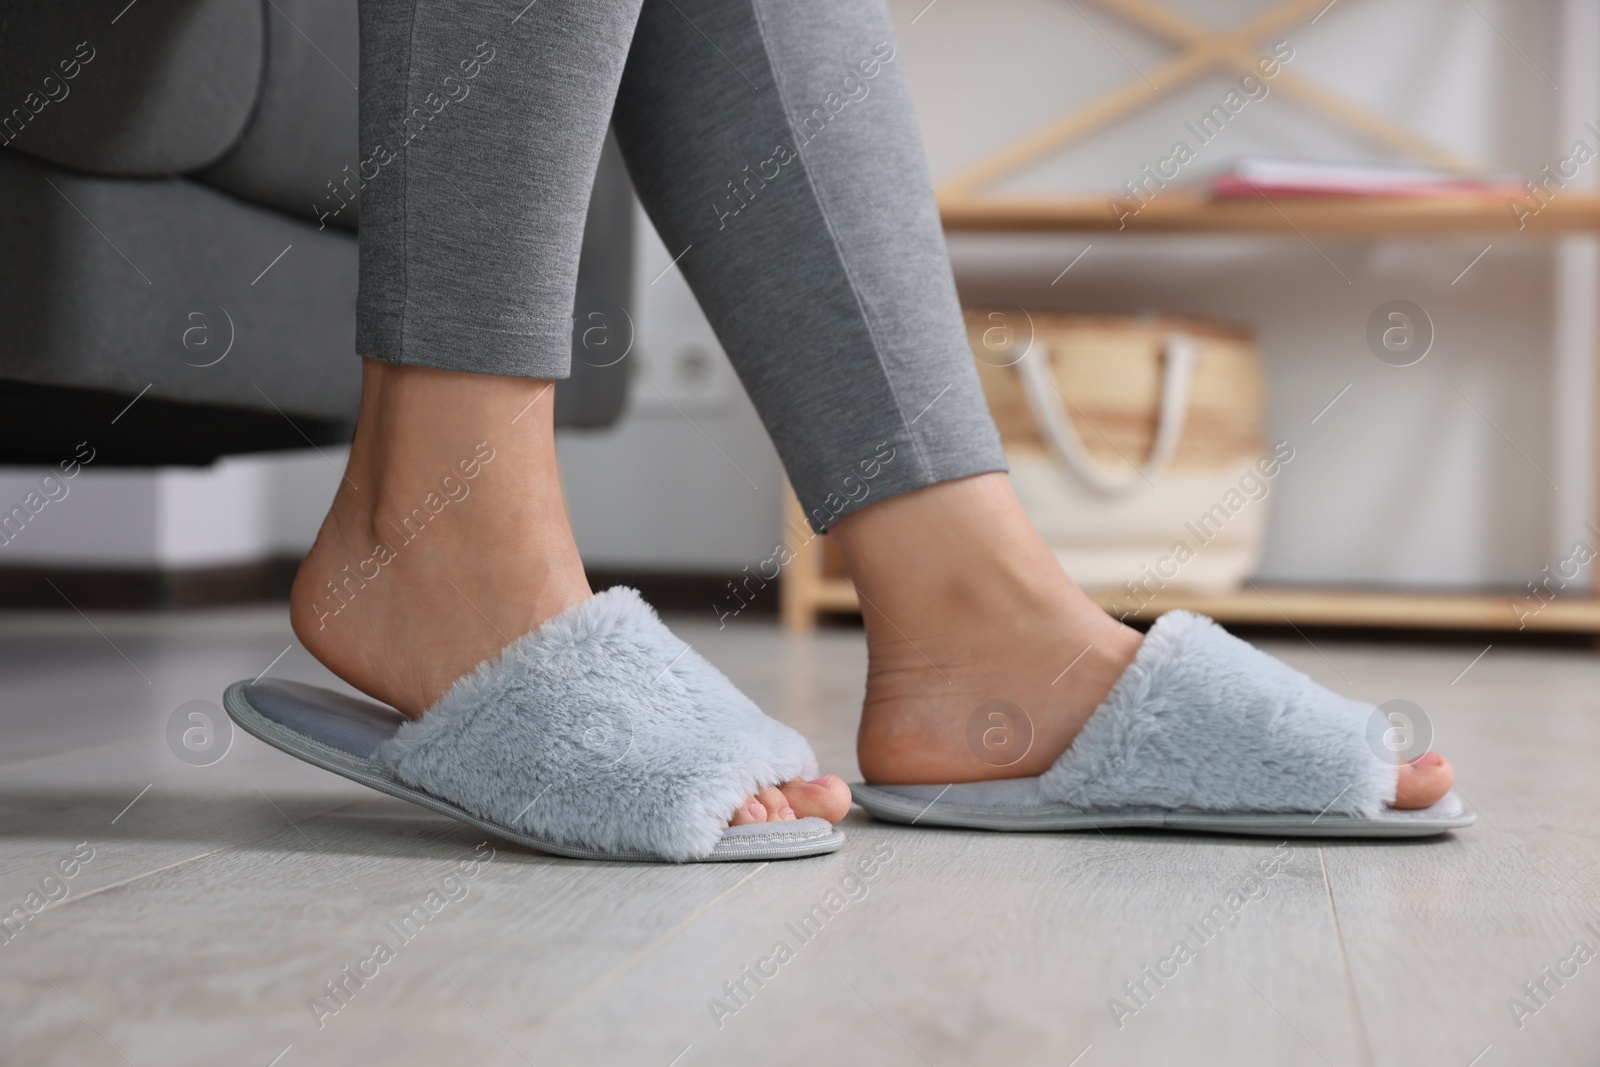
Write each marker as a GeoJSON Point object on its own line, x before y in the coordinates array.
{"type": "Point", "coordinates": [773, 144]}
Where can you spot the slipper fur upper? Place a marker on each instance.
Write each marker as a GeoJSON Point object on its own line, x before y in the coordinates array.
{"type": "Point", "coordinates": [600, 729]}
{"type": "Point", "coordinates": [1203, 720]}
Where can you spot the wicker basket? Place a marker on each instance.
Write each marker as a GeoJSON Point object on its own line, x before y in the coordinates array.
{"type": "Point", "coordinates": [1119, 484]}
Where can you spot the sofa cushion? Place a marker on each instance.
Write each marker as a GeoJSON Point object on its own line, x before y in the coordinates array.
{"type": "Point", "coordinates": [129, 89]}
{"type": "Point", "coordinates": [299, 153]}
{"type": "Point", "coordinates": [176, 287]}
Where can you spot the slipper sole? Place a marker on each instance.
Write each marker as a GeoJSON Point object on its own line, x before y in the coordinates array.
{"type": "Point", "coordinates": [760, 841]}
{"type": "Point", "coordinates": [925, 805]}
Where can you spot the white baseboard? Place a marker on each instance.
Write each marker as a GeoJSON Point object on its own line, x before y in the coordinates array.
{"type": "Point", "coordinates": [242, 509]}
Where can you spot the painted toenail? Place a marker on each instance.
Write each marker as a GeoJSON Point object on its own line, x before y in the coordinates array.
{"type": "Point", "coordinates": [1428, 759]}
{"type": "Point", "coordinates": [756, 811]}
{"type": "Point", "coordinates": [786, 815]}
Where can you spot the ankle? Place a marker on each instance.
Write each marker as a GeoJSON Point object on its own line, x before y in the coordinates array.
{"type": "Point", "coordinates": [450, 510]}
{"type": "Point", "coordinates": [417, 423]}
{"type": "Point", "coordinates": [962, 548]}
{"type": "Point", "coordinates": [427, 439]}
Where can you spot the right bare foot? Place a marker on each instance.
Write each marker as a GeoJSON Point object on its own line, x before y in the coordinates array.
{"type": "Point", "coordinates": [448, 539]}
{"type": "Point", "coordinates": [965, 604]}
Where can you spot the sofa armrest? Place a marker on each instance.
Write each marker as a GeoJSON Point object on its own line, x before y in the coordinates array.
{"type": "Point", "coordinates": [119, 89]}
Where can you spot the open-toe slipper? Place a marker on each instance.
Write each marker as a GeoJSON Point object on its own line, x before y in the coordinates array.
{"type": "Point", "coordinates": [1202, 732]}
{"type": "Point", "coordinates": [600, 735]}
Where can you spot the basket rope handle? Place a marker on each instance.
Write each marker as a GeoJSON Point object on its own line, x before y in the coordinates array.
{"type": "Point", "coordinates": [1180, 353]}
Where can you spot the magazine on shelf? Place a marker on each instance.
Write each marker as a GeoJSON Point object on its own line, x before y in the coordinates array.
{"type": "Point", "coordinates": [1257, 177]}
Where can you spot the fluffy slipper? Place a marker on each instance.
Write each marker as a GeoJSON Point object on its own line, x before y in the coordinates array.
{"type": "Point", "coordinates": [599, 735]}
{"type": "Point", "coordinates": [1201, 732]}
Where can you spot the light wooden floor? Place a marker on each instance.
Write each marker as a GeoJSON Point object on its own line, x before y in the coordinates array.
{"type": "Point", "coordinates": [220, 903]}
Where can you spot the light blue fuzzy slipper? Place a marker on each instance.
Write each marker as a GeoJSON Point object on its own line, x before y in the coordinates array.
{"type": "Point", "coordinates": [1201, 732]}
{"type": "Point", "coordinates": [600, 735]}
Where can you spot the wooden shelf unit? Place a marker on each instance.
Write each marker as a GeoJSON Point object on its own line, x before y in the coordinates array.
{"type": "Point", "coordinates": [809, 588]}
{"type": "Point", "coordinates": [1184, 211]}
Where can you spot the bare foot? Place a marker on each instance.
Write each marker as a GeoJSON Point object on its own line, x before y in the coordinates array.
{"type": "Point", "coordinates": [448, 539]}
{"type": "Point", "coordinates": [966, 605]}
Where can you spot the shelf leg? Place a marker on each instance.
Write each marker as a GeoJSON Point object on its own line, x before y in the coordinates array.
{"type": "Point", "coordinates": [798, 590]}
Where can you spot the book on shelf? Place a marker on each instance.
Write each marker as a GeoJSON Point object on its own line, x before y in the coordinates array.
{"type": "Point", "coordinates": [1253, 178]}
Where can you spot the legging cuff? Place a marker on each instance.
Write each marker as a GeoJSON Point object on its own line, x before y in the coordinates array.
{"type": "Point", "coordinates": [531, 349]}
{"type": "Point", "coordinates": [823, 507]}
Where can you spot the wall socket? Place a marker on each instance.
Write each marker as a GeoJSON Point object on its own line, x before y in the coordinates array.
{"type": "Point", "coordinates": [690, 375]}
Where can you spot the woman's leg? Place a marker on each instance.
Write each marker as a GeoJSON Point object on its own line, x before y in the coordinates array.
{"type": "Point", "coordinates": [776, 148]}
{"type": "Point", "coordinates": [448, 537]}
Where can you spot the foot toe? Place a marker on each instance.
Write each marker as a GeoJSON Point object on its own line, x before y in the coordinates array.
{"type": "Point", "coordinates": [1423, 782]}
{"type": "Point", "coordinates": [751, 811]}
{"type": "Point", "coordinates": [775, 802]}
{"type": "Point", "coordinates": [826, 798]}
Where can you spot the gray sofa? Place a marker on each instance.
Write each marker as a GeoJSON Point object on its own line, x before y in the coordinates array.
{"type": "Point", "coordinates": [180, 227]}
